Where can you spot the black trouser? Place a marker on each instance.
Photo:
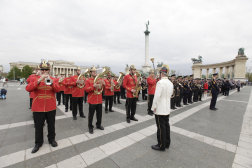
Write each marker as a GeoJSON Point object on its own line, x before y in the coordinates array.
{"type": "Point", "coordinates": [163, 131]}
{"type": "Point", "coordinates": [131, 107]}
{"type": "Point", "coordinates": [214, 99]}
{"type": "Point", "coordinates": [103, 95]}
{"type": "Point", "coordinates": [123, 93]}
{"type": "Point", "coordinates": [238, 88]}
{"type": "Point", "coordinates": [117, 94]}
{"type": "Point", "coordinates": [195, 96]}
{"type": "Point", "coordinates": [150, 101]}
{"type": "Point", "coordinates": [67, 97]}
{"type": "Point", "coordinates": [144, 92]}
{"type": "Point", "coordinates": [173, 100]}
{"type": "Point", "coordinates": [185, 97]}
{"type": "Point", "coordinates": [85, 96]}
{"type": "Point", "coordinates": [31, 102]}
{"type": "Point", "coordinates": [227, 92]}
{"type": "Point", "coordinates": [108, 101]}
{"type": "Point", "coordinates": [190, 96]}
{"type": "Point", "coordinates": [200, 94]}
{"type": "Point", "coordinates": [92, 109]}
{"type": "Point", "coordinates": [59, 97]}
{"type": "Point", "coordinates": [178, 100]}
{"type": "Point", "coordinates": [77, 101]}
{"type": "Point", "coordinates": [39, 120]}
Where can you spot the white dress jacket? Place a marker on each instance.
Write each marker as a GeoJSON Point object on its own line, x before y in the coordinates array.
{"type": "Point", "coordinates": [162, 97]}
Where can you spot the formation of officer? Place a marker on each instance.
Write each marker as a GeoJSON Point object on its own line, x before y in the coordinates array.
{"type": "Point", "coordinates": [43, 105]}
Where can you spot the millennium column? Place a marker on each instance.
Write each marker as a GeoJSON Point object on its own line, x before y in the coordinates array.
{"type": "Point", "coordinates": [146, 67]}
{"type": "Point", "coordinates": [240, 66]}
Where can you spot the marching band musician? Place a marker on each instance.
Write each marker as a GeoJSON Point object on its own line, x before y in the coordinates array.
{"type": "Point", "coordinates": [68, 91]}
{"type": "Point", "coordinates": [144, 88]}
{"type": "Point", "coordinates": [117, 92]}
{"type": "Point", "coordinates": [62, 88]}
{"type": "Point", "coordinates": [109, 93]}
{"type": "Point", "coordinates": [151, 82]}
{"type": "Point", "coordinates": [130, 83]}
{"type": "Point", "coordinates": [215, 91]}
{"type": "Point", "coordinates": [28, 81]}
{"type": "Point", "coordinates": [180, 87]}
{"type": "Point", "coordinates": [94, 100]}
{"type": "Point", "coordinates": [175, 88]}
{"type": "Point", "coordinates": [44, 106]}
{"type": "Point", "coordinates": [186, 90]}
{"type": "Point", "coordinates": [77, 93]}
{"type": "Point", "coordinates": [191, 83]}
{"type": "Point", "coordinates": [161, 109]}
{"type": "Point", "coordinates": [196, 90]}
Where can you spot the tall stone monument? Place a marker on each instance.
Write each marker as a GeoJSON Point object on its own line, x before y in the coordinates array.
{"type": "Point", "coordinates": [146, 67]}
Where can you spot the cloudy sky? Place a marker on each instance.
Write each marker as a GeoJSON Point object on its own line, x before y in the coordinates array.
{"type": "Point", "coordinates": [110, 32]}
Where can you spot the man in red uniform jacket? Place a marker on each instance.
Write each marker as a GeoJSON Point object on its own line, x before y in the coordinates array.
{"type": "Point", "coordinates": [68, 91]}
{"type": "Point", "coordinates": [77, 93]}
{"type": "Point", "coordinates": [28, 81]}
{"type": "Point", "coordinates": [109, 93]}
{"type": "Point", "coordinates": [62, 88]}
{"type": "Point", "coordinates": [129, 83]}
{"type": "Point", "coordinates": [117, 92]}
{"type": "Point", "coordinates": [94, 100]}
{"type": "Point", "coordinates": [151, 81]}
{"type": "Point", "coordinates": [44, 106]}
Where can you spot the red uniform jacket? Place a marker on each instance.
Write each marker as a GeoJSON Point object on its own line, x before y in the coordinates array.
{"type": "Point", "coordinates": [68, 88]}
{"type": "Point", "coordinates": [206, 86]}
{"type": "Point", "coordinates": [29, 78]}
{"type": "Point", "coordinates": [32, 79]}
{"type": "Point", "coordinates": [61, 85]}
{"type": "Point", "coordinates": [108, 92]}
{"type": "Point", "coordinates": [151, 85]}
{"type": "Point", "coordinates": [76, 92]}
{"type": "Point", "coordinates": [44, 95]}
{"type": "Point", "coordinates": [116, 90]}
{"type": "Point", "coordinates": [128, 84]}
{"type": "Point", "coordinates": [92, 97]}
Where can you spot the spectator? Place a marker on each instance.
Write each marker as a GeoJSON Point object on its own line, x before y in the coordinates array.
{"type": "Point", "coordinates": [227, 87]}
{"type": "Point", "coordinates": [205, 89]}
{"type": "Point", "coordinates": [3, 93]}
{"type": "Point", "coordinates": [238, 85]}
{"type": "Point", "coordinates": [5, 81]}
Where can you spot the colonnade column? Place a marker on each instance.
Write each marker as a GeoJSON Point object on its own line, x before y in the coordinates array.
{"type": "Point", "coordinates": [221, 71]}
{"type": "Point", "coordinates": [214, 70]}
{"type": "Point", "coordinates": [207, 73]}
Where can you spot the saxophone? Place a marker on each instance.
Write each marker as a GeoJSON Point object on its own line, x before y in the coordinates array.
{"type": "Point", "coordinates": [120, 80]}
{"type": "Point", "coordinates": [80, 76]}
{"type": "Point", "coordinates": [138, 87]}
{"type": "Point", "coordinates": [104, 71]}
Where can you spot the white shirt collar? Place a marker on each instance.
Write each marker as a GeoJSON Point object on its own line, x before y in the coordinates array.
{"type": "Point", "coordinates": [164, 78]}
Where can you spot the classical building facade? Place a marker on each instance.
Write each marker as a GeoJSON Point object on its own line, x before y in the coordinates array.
{"type": "Point", "coordinates": [234, 69]}
{"type": "Point", "coordinates": [1, 68]}
{"type": "Point", "coordinates": [57, 66]}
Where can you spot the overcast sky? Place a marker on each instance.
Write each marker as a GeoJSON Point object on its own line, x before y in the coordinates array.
{"type": "Point", "coordinates": [110, 33]}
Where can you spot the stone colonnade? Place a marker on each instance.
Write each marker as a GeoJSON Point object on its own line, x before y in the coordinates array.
{"type": "Point", "coordinates": [58, 70]}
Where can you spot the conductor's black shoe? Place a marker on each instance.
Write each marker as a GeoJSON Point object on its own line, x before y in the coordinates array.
{"type": "Point", "coordinates": [106, 111]}
{"type": "Point", "coordinates": [119, 103]}
{"type": "Point", "coordinates": [155, 147]}
{"type": "Point", "coordinates": [66, 110]}
{"type": "Point", "coordinates": [36, 148]}
{"type": "Point", "coordinates": [150, 114]}
{"type": "Point", "coordinates": [53, 143]}
{"type": "Point", "coordinates": [91, 131]}
{"type": "Point", "coordinates": [213, 109]}
{"type": "Point", "coordinates": [100, 127]}
{"type": "Point", "coordinates": [75, 118]}
{"type": "Point", "coordinates": [111, 110]}
{"type": "Point", "coordinates": [83, 116]}
{"type": "Point", "coordinates": [128, 120]}
{"type": "Point", "coordinates": [134, 119]}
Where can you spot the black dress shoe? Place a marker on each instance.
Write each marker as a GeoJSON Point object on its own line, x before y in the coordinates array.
{"type": "Point", "coordinates": [119, 103]}
{"type": "Point", "coordinates": [83, 116]}
{"type": "Point", "coordinates": [106, 111]}
{"type": "Point", "coordinates": [53, 143]}
{"type": "Point", "coordinates": [91, 131]}
{"type": "Point", "coordinates": [66, 110]}
{"type": "Point", "coordinates": [174, 108]}
{"type": "Point", "coordinates": [36, 148]}
{"type": "Point", "coordinates": [150, 114]}
{"type": "Point", "coordinates": [75, 118]}
{"type": "Point", "coordinates": [213, 109]}
{"type": "Point", "coordinates": [100, 127]}
{"type": "Point", "coordinates": [155, 147]}
{"type": "Point", "coordinates": [111, 111]}
{"type": "Point", "coordinates": [128, 120]}
{"type": "Point", "coordinates": [58, 104]}
{"type": "Point", "coordinates": [134, 119]}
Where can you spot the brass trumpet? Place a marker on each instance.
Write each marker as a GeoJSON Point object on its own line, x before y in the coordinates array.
{"type": "Point", "coordinates": [79, 78]}
{"type": "Point", "coordinates": [48, 81]}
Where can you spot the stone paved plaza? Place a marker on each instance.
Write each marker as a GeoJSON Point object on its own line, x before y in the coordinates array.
{"type": "Point", "coordinates": [199, 137]}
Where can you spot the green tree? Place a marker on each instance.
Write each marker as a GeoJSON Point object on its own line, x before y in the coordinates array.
{"type": "Point", "coordinates": [26, 71]}
{"type": "Point", "coordinates": [222, 76]}
{"type": "Point", "coordinates": [203, 76]}
{"type": "Point", "coordinates": [210, 75]}
{"type": "Point", "coordinates": [14, 73]}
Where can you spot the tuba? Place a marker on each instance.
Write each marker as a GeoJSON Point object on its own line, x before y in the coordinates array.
{"type": "Point", "coordinates": [120, 80]}
{"type": "Point", "coordinates": [81, 75]}
{"type": "Point", "coordinates": [104, 71]}
{"type": "Point", "coordinates": [112, 85]}
{"type": "Point", "coordinates": [138, 87]}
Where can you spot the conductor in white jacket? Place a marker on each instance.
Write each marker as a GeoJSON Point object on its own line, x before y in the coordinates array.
{"type": "Point", "coordinates": [161, 109]}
